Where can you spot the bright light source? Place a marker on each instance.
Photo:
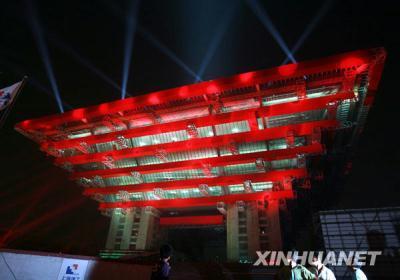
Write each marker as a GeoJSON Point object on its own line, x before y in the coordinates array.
{"type": "Point", "coordinates": [79, 135]}
{"type": "Point", "coordinates": [210, 133]}
{"type": "Point", "coordinates": [235, 130]}
{"type": "Point", "coordinates": [156, 141]}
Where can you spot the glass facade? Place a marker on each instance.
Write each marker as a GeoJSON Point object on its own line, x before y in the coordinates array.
{"type": "Point", "coordinates": [374, 229]}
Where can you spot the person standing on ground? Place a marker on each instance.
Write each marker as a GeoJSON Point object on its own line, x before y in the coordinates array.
{"type": "Point", "coordinates": [322, 272]}
{"type": "Point", "coordinates": [294, 271]}
{"type": "Point", "coordinates": [163, 268]}
{"type": "Point", "coordinates": [357, 273]}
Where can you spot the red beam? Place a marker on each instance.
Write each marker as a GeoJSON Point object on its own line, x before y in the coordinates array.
{"type": "Point", "coordinates": [286, 89]}
{"type": "Point", "coordinates": [192, 220]}
{"type": "Point", "coordinates": [130, 116]}
{"type": "Point", "coordinates": [197, 105]}
{"type": "Point", "coordinates": [198, 90]}
{"type": "Point", "coordinates": [202, 105]}
{"type": "Point", "coordinates": [200, 201]}
{"type": "Point", "coordinates": [201, 143]}
{"type": "Point", "coordinates": [271, 176]}
{"type": "Point", "coordinates": [199, 163]}
{"type": "Point", "coordinates": [273, 110]}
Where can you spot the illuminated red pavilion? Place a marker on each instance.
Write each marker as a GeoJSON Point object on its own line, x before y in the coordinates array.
{"type": "Point", "coordinates": [230, 151]}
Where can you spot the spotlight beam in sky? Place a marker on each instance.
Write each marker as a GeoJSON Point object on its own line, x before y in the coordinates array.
{"type": "Point", "coordinates": [310, 27]}
{"type": "Point", "coordinates": [154, 41]}
{"type": "Point", "coordinates": [41, 87]}
{"type": "Point", "coordinates": [267, 22]}
{"type": "Point", "coordinates": [165, 50]}
{"type": "Point", "coordinates": [216, 39]}
{"type": "Point", "coordinates": [43, 50]}
{"type": "Point", "coordinates": [34, 82]}
{"type": "Point", "coordinates": [130, 27]}
{"type": "Point", "coordinates": [83, 61]}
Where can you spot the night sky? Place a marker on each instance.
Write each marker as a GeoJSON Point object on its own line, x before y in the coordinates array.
{"type": "Point", "coordinates": [41, 209]}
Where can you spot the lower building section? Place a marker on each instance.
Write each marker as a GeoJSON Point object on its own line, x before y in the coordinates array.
{"type": "Point", "coordinates": [249, 226]}
{"type": "Point", "coordinates": [133, 229]}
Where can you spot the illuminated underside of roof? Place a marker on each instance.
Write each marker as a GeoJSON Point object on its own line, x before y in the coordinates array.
{"type": "Point", "coordinates": [246, 137]}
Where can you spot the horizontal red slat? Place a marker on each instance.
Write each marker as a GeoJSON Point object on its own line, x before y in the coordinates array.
{"type": "Point", "coordinates": [199, 104]}
{"type": "Point", "coordinates": [200, 143]}
{"type": "Point", "coordinates": [200, 163]}
{"type": "Point", "coordinates": [271, 176]}
{"type": "Point", "coordinates": [200, 201]}
{"type": "Point", "coordinates": [192, 220]}
{"type": "Point", "coordinates": [185, 92]}
{"type": "Point", "coordinates": [273, 110]}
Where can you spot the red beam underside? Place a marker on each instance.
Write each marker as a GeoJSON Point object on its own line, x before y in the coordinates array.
{"type": "Point", "coordinates": [200, 201]}
{"type": "Point", "coordinates": [192, 220]}
{"type": "Point", "coordinates": [273, 110]}
{"type": "Point", "coordinates": [200, 104]}
{"type": "Point", "coordinates": [352, 59]}
{"type": "Point", "coordinates": [285, 88]}
{"type": "Point", "coordinates": [271, 176]}
{"type": "Point", "coordinates": [130, 116]}
{"type": "Point", "coordinates": [202, 143]}
{"type": "Point", "coordinates": [200, 163]}
{"type": "Point", "coordinates": [257, 94]}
